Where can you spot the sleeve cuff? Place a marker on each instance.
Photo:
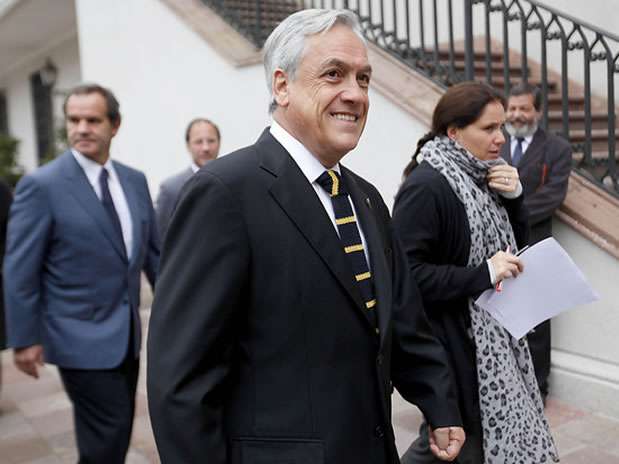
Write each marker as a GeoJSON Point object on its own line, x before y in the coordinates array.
{"type": "Point", "coordinates": [515, 194]}
{"type": "Point", "coordinates": [491, 272]}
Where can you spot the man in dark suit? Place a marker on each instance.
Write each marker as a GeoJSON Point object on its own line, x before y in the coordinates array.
{"type": "Point", "coordinates": [81, 230]}
{"type": "Point", "coordinates": [203, 141]}
{"type": "Point", "coordinates": [544, 164]}
{"type": "Point", "coordinates": [285, 312]}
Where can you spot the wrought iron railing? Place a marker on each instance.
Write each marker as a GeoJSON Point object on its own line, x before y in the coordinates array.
{"type": "Point", "coordinates": [498, 41]}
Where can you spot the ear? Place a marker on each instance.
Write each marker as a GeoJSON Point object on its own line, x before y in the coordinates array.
{"type": "Point", "coordinates": [115, 127]}
{"type": "Point", "coordinates": [281, 87]}
{"type": "Point", "coordinates": [452, 132]}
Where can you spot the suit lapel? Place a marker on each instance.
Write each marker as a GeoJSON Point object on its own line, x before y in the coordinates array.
{"type": "Point", "coordinates": [79, 186]}
{"type": "Point", "coordinates": [133, 203]}
{"type": "Point", "coordinates": [378, 265]}
{"type": "Point", "coordinates": [537, 144]}
{"type": "Point", "coordinates": [297, 198]}
{"type": "Point", "coordinates": [506, 150]}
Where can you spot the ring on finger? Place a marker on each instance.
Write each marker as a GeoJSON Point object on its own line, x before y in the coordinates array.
{"type": "Point", "coordinates": [506, 180]}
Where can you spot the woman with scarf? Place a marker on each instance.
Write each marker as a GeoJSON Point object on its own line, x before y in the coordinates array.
{"type": "Point", "coordinates": [460, 216]}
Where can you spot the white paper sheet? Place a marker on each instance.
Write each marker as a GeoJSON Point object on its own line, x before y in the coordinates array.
{"type": "Point", "coordinates": [550, 284]}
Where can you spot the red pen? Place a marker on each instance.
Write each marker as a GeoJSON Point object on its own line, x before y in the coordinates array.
{"type": "Point", "coordinates": [499, 285]}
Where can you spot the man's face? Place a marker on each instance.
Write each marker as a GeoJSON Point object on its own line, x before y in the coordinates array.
{"type": "Point", "coordinates": [203, 143]}
{"type": "Point", "coordinates": [89, 129]}
{"type": "Point", "coordinates": [521, 115]}
{"type": "Point", "coordinates": [325, 107]}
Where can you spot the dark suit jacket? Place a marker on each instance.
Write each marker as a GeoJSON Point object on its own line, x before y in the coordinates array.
{"type": "Point", "coordinates": [433, 226]}
{"type": "Point", "coordinates": [260, 350]}
{"type": "Point", "coordinates": [544, 172]}
{"type": "Point", "coordinates": [169, 192]}
{"type": "Point", "coordinates": [5, 203]}
{"type": "Point", "coordinates": [68, 283]}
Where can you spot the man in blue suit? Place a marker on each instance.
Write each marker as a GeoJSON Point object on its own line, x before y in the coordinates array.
{"type": "Point", "coordinates": [81, 230]}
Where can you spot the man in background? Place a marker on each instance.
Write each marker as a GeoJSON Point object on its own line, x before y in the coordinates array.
{"type": "Point", "coordinates": [544, 163]}
{"type": "Point", "coordinates": [81, 230]}
{"type": "Point", "coordinates": [203, 141]}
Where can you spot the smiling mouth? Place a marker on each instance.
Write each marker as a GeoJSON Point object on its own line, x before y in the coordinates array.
{"type": "Point", "coordinates": [348, 117]}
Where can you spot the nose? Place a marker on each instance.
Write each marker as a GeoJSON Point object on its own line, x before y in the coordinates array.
{"type": "Point", "coordinates": [353, 92]}
{"type": "Point", "coordinates": [499, 139]}
{"type": "Point", "coordinates": [82, 126]}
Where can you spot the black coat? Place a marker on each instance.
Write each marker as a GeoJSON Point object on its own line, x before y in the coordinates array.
{"type": "Point", "coordinates": [260, 350]}
{"type": "Point", "coordinates": [433, 227]}
{"type": "Point", "coordinates": [5, 203]}
{"type": "Point", "coordinates": [544, 172]}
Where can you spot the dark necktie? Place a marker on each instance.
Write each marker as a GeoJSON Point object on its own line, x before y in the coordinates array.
{"type": "Point", "coordinates": [517, 156]}
{"type": "Point", "coordinates": [108, 204]}
{"type": "Point", "coordinates": [350, 237]}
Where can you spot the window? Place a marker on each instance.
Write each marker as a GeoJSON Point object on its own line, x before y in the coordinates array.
{"type": "Point", "coordinates": [43, 117]}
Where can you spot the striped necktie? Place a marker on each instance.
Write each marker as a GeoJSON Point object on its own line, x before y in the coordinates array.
{"type": "Point", "coordinates": [517, 156]}
{"type": "Point", "coordinates": [350, 237]}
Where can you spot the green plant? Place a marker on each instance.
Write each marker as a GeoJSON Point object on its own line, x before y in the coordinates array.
{"type": "Point", "coordinates": [10, 170]}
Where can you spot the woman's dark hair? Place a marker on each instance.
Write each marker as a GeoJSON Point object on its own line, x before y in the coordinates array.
{"type": "Point", "coordinates": [460, 106]}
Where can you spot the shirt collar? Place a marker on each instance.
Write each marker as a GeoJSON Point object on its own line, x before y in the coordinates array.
{"type": "Point", "coordinates": [91, 168]}
{"type": "Point", "coordinates": [308, 163]}
{"type": "Point", "coordinates": [526, 139]}
{"type": "Point", "coordinates": [194, 167]}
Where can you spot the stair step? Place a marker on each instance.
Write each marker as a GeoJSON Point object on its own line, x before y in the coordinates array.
{"type": "Point", "coordinates": [459, 54]}
{"type": "Point", "coordinates": [575, 102]}
{"type": "Point", "coordinates": [499, 82]}
{"type": "Point", "coordinates": [599, 119]}
{"type": "Point", "coordinates": [496, 68]}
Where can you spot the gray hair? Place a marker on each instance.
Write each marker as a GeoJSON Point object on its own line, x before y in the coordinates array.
{"type": "Point", "coordinates": [285, 45]}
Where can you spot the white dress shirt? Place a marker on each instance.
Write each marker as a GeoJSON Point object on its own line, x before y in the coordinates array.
{"type": "Point", "coordinates": [312, 169]}
{"type": "Point", "coordinates": [526, 141]}
{"type": "Point", "coordinates": [92, 169]}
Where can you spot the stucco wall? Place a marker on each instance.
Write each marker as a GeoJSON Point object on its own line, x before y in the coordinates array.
{"type": "Point", "coordinates": [19, 99]}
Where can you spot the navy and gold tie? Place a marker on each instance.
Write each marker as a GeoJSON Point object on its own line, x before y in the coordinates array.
{"type": "Point", "coordinates": [108, 204]}
{"type": "Point", "coordinates": [351, 239]}
{"type": "Point", "coordinates": [517, 156]}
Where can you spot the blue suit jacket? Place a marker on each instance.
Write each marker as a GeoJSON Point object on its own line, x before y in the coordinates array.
{"type": "Point", "coordinates": [68, 285]}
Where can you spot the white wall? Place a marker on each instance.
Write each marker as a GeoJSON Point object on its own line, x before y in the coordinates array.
{"type": "Point", "coordinates": [19, 99]}
{"type": "Point", "coordinates": [585, 352]}
{"type": "Point", "coordinates": [164, 75]}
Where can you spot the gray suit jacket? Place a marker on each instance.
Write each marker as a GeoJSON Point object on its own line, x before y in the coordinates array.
{"type": "Point", "coordinates": [544, 172]}
{"type": "Point", "coordinates": [169, 191]}
{"type": "Point", "coordinates": [68, 282]}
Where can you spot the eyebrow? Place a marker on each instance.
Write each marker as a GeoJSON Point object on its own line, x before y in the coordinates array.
{"type": "Point", "coordinates": [341, 64]}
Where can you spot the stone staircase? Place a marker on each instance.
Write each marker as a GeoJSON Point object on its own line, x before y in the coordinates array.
{"type": "Point", "coordinates": [576, 99]}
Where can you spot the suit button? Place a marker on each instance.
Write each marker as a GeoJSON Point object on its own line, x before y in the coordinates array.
{"type": "Point", "coordinates": [379, 432]}
{"type": "Point", "coordinates": [379, 360]}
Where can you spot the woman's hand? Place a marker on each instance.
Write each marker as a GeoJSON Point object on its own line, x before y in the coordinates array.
{"type": "Point", "coordinates": [506, 265]}
{"type": "Point", "coordinates": [503, 178]}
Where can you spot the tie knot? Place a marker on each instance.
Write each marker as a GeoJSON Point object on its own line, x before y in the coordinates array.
{"type": "Point", "coordinates": [104, 175]}
{"type": "Point", "coordinates": [331, 181]}
{"type": "Point", "coordinates": [519, 140]}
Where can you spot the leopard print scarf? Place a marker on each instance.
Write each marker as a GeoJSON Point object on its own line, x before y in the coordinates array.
{"type": "Point", "coordinates": [514, 428]}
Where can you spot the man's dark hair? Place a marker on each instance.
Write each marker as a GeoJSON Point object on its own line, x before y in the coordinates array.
{"type": "Point", "coordinates": [528, 89]}
{"type": "Point", "coordinates": [111, 104]}
{"type": "Point", "coordinates": [198, 120]}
